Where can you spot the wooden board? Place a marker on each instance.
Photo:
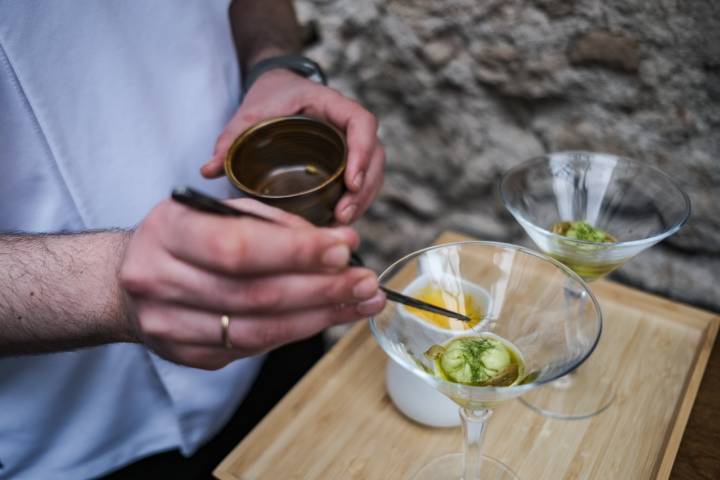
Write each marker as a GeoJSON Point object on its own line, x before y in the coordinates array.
{"type": "Point", "coordinates": [339, 423]}
{"type": "Point", "coordinates": [699, 455]}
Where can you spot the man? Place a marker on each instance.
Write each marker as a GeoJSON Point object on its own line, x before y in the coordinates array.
{"type": "Point", "coordinates": [105, 107]}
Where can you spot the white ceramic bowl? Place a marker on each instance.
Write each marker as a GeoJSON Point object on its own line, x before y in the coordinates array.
{"type": "Point", "coordinates": [410, 394]}
{"type": "Point", "coordinates": [449, 283]}
{"type": "Point", "coordinates": [418, 400]}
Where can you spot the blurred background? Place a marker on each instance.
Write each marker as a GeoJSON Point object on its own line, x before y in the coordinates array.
{"type": "Point", "coordinates": [465, 89]}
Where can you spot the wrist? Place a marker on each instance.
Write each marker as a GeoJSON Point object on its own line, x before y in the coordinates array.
{"type": "Point", "coordinates": [263, 54]}
{"type": "Point", "coordinates": [295, 63]}
{"type": "Point", "coordinates": [127, 329]}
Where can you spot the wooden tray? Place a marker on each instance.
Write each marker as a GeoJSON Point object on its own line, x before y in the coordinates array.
{"type": "Point", "coordinates": [338, 422]}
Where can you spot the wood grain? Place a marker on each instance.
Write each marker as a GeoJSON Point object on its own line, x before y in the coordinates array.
{"type": "Point", "coordinates": [338, 422]}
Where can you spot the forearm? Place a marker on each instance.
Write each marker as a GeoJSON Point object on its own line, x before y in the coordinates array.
{"type": "Point", "coordinates": [263, 28]}
{"type": "Point", "coordinates": [59, 292]}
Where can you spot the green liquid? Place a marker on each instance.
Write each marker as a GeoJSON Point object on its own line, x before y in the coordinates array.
{"type": "Point", "coordinates": [587, 271]}
{"type": "Point", "coordinates": [581, 230]}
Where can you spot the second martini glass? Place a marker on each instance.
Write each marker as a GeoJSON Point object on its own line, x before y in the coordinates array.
{"type": "Point", "coordinates": [520, 295]}
{"type": "Point", "coordinates": [637, 204]}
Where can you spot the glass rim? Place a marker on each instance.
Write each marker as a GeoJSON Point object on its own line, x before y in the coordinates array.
{"type": "Point", "coordinates": [512, 390]}
{"type": "Point", "coordinates": [621, 244]}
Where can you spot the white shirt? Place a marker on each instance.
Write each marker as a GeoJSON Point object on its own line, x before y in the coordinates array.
{"type": "Point", "coordinates": [104, 107]}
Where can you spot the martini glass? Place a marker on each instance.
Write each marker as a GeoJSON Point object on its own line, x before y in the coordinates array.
{"type": "Point", "coordinates": [524, 301]}
{"type": "Point", "coordinates": [637, 204]}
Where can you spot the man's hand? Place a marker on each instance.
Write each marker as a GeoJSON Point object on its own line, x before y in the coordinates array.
{"type": "Point", "coordinates": [278, 282]}
{"type": "Point", "coordinates": [282, 92]}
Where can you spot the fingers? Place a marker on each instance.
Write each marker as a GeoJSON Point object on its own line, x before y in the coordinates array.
{"type": "Point", "coordinates": [360, 128]}
{"type": "Point", "coordinates": [215, 167]}
{"type": "Point", "coordinates": [353, 204]}
{"type": "Point", "coordinates": [271, 213]}
{"type": "Point", "coordinates": [240, 122]}
{"type": "Point", "coordinates": [166, 326]}
{"type": "Point", "coordinates": [260, 334]}
{"type": "Point", "coordinates": [183, 284]}
{"type": "Point", "coordinates": [275, 93]}
{"type": "Point", "coordinates": [280, 280]}
{"type": "Point", "coordinates": [275, 215]}
{"type": "Point", "coordinates": [281, 93]}
{"type": "Point", "coordinates": [245, 246]}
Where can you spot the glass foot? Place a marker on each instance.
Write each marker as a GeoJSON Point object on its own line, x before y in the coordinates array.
{"type": "Point", "coordinates": [450, 467]}
{"type": "Point", "coordinates": [584, 393]}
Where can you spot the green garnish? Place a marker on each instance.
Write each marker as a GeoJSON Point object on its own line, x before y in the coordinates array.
{"type": "Point", "coordinates": [476, 360]}
{"type": "Point", "coordinates": [582, 230]}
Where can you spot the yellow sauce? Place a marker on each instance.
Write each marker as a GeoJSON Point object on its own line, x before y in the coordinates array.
{"type": "Point", "coordinates": [462, 303]}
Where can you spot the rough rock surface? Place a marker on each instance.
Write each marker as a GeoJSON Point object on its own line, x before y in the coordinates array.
{"type": "Point", "coordinates": [466, 89]}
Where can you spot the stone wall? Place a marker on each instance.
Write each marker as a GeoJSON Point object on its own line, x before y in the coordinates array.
{"type": "Point", "coordinates": [465, 89]}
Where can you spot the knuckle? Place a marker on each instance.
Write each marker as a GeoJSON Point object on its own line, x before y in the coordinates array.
{"type": "Point", "coordinates": [218, 247]}
{"type": "Point", "coordinates": [365, 146]}
{"type": "Point", "coordinates": [153, 324]}
{"type": "Point", "coordinates": [160, 222]}
{"type": "Point", "coordinates": [345, 314]}
{"type": "Point", "coordinates": [305, 248]}
{"type": "Point", "coordinates": [258, 297]}
{"type": "Point", "coordinates": [295, 102]}
{"type": "Point", "coordinates": [230, 251]}
{"type": "Point", "coordinates": [163, 211]}
{"type": "Point", "coordinates": [261, 336]}
{"type": "Point", "coordinates": [269, 336]}
{"type": "Point", "coordinates": [351, 103]}
{"type": "Point", "coordinates": [133, 278]}
{"type": "Point", "coordinates": [334, 100]}
{"type": "Point", "coordinates": [176, 214]}
{"type": "Point", "coordinates": [337, 290]}
{"type": "Point", "coordinates": [332, 95]}
{"type": "Point", "coordinates": [139, 279]}
{"type": "Point", "coordinates": [365, 116]}
{"type": "Point", "coordinates": [248, 117]}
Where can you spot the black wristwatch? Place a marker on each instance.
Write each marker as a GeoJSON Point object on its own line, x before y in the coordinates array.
{"type": "Point", "coordinates": [297, 63]}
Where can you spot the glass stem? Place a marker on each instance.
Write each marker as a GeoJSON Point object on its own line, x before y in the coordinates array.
{"type": "Point", "coordinates": [474, 424]}
{"type": "Point", "coordinates": [572, 295]}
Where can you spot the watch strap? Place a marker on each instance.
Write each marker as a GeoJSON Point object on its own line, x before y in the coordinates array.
{"type": "Point", "coordinates": [297, 63]}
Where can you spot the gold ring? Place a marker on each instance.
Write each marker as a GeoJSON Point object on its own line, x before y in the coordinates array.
{"type": "Point", "coordinates": [225, 330]}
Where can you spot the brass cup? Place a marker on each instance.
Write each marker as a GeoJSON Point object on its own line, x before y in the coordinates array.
{"type": "Point", "coordinates": [294, 163]}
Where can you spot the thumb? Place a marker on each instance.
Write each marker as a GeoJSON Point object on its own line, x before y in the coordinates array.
{"type": "Point", "coordinates": [214, 168]}
{"type": "Point", "coordinates": [238, 124]}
